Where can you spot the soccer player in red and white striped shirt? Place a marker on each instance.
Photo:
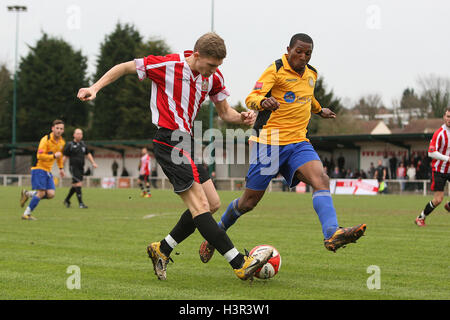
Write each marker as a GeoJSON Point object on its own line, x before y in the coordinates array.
{"type": "Point", "coordinates": [144, 173]}
{"type": "Point", "coordinates": [439, 150]}
{"type": "Point", "coordinates": [180, 83]}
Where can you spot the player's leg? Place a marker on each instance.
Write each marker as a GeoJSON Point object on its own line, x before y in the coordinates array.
{"type": "Point", "coordinates": [310, 170]}
{"type": "Point", "coordinates": [71, 192]}
{"type": "Point", "coordinates": [25, 195]}
{"type": "Point", "coordinates": [246, 203]}
{"type": "Point", "coordinates": [197, 202]}
{"type": "Point", "coordinates": [438, 181]}
{"type": "Point", "coordinates": [264, 166]}
{"type": "Point", "coordinates": [185, 226]}
{"type": "Point", "coordinates": [35, 199]}
{"type": "Point", "coordinates": [234, 211]}
{"type": "Point", "coordinates": [148, 194]}
{"type": "Point", "coordinates": [187, 179]}
{"type": "Point", "coordinates": [258, 177]}
{"type": "Point", "coordinates": [69, 195]}
{"type": "Point", "coordinates": [211, 195]}
{"type": "Point", "coordinates": [141, 185]}
{"type": "Point", "coordinates": [39, 182]}
{"type": "Point", "coordinates": [312, 174]}
{"type": "Point", "coordinates": [79, 193]}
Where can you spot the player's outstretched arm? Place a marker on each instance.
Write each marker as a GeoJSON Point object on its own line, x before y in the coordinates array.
{"type": "Point", "coordinates": [119, 70]}
{"type": "Point", "coordinates": [229, 114]}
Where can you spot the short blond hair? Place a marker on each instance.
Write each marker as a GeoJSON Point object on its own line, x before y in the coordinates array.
{"type": "Point", "coordinates": [211, 45]}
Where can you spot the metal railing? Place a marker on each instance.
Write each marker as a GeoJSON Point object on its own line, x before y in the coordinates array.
{"type": "Point", "coordinates": [422, 187]}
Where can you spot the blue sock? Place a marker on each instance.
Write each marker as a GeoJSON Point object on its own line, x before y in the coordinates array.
{"type": "Point", "coordinates": [34, 202]}
{"type": "Point", "coordinates": [323, 204]}
{"type": "Point", "coordinates": [230, 216]}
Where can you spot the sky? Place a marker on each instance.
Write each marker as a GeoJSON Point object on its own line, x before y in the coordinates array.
{"type": "Point", "coordinates": [361, 47]}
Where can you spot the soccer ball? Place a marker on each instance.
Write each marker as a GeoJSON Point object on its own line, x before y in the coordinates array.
{"type": "Point", "coordinates": [273, 265]}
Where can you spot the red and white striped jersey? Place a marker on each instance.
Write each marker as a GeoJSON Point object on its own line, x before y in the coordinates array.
{"type": "Point", "coordinates": [177, 91]}
{"type": "Point", "coordinates": [145, 166]}
{"type": "Point", "coordinates": [440, 143]}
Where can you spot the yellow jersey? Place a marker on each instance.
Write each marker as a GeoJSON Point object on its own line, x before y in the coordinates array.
{"type": "Point", "coordinates": [48, 146]}
{"type": "Point", "coordinates": [295, 93]}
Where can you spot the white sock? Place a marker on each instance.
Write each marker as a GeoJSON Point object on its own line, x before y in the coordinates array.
{"type": "Point", "coordinates": [231, 254]}
{"type": "Point", "coordinates": [422, 215]}
{"type": "Point", "coordinates": [30, 193]}
{"type": "Point", "coordinates": [27, 211]}
{"type": "Point", "coordinates": [171, 241]}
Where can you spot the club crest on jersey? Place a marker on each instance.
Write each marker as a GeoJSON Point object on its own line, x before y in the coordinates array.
{"type": "Point", "coordinates": [205, 85]}
{"type": "Point", "coordinates": [311, 82]}
{"type": "Point", "coordinates": [289, 97]}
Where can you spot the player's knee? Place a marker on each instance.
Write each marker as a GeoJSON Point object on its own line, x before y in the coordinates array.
{"type": "Point", "coordinates": [214, 206]}
{"type": "Point", "coordinates": [50, 194]}
{"type": "Point", "coordinates": [437, 200]}
{"type": "Point", "coordinates": [248, 204]}
{"type": "Point", "coordinates": [321, 182]}
{"type": "Point", "coordinates": [40, 194]}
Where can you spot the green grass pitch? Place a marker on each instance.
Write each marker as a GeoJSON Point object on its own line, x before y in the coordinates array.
{"type": "Point", "coordinates": [108, 241]}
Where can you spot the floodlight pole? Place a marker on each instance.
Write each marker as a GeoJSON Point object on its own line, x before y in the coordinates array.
{"type": "Point", "coordinates": [17, 10]}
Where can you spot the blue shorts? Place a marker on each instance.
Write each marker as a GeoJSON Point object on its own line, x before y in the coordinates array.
{"type": "Point", "coordinates": [266, 161]}
{"type": "Point", "coordinates": [42, 180]}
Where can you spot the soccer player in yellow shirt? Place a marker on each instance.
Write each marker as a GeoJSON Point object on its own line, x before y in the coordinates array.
{"type": "Point", "coordinates": [50, 149]}
{"type": "Point", "coordinates": [284, 98]}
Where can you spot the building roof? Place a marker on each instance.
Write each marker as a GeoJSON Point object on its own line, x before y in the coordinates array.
{"type": "Point", "coordinates": [423, 125]}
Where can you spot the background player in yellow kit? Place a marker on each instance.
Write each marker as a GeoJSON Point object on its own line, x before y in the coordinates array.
{"type": "Point", "coordinates": [50, 149]}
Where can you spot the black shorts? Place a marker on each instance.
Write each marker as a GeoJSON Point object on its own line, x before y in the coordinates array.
{"type": "Point", "coordinates": [143, 177]}
{"type": "Point", "coordinates": [439, 180]}
{"type": "Point", "coordinates": [77, 173]}
{"type": "Point", "coordinates": [174, 151]}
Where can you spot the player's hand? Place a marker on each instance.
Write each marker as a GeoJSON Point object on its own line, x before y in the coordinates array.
{"type": "Point", "coordinates": [248, 117]}
{"type": "Point", "coordinates": [86, 94]}
{"type": "Point", "coordinates": [58, 155]}
{"type": "Point", "coordinates": [95, 165]}
{"type": "Point", "coordinates": [61, 173]}
{"type": "Point", "coordinates": [327, 113]}
{"type": "Point", "coordinates": [270, 104]}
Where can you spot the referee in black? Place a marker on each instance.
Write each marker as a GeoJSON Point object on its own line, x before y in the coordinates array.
{"type": "Point", "coordinates": [76, 150]}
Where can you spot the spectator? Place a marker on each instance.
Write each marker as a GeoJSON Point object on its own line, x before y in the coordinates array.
{"type": "Point", "coordinates": [371, 170]}
{"type": "Point", "coordinates": [421, 171]}
{"type": "Point", "coordinates": [326, 164]}
{"type": "Point", "coordinates": [363, 174]}
{"type": "Point", "coordinates": [393, 166]}
{"type": "Point", "coordinates": [341, 162]}
{"type": "Point", "coordinates": [349, 174]}
{"type": "Point", "coordinates": [386, 165]}
{"type": "Point", "coordinates": [380, 172]}
{"type": "Point", "coordinates": [336, 174]}
{"type": "Point", "coordinates": [332, 165]}
{"type": "Point", "coordinates": [115, 167]}
{"type": "Point", "coordinates": [411, 174]}
{"type": "Point", "coordinates": [380, 175]}
{"type": "Point", "coordinates": [401, 175]}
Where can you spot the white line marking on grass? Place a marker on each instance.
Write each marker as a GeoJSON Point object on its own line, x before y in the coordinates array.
{"type": "Point", "coordinates": [149, 216]}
